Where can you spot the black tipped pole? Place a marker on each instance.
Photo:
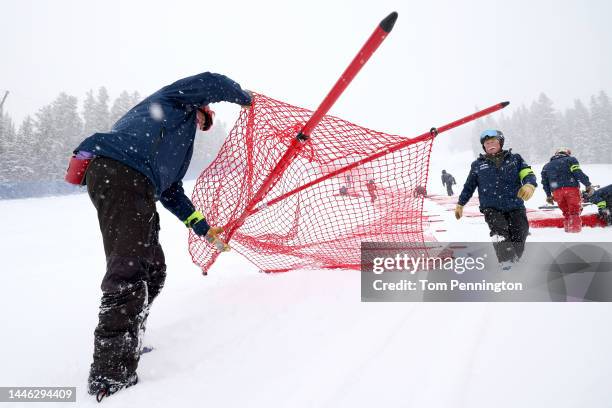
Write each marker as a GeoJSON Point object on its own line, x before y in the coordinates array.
{"type": "Point", "coordinates": [369, 47]}
{"type": "Point", "coordinates": [387, 24]}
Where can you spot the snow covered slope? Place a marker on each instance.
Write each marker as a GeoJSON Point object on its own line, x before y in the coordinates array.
{"type": "Point", "coordinates": [240, 338]}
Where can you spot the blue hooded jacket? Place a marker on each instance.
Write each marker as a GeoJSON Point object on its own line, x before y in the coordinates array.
{"type": "Point", "coordinates": [602, 198]}
{"type": "Point", "coordinates": [562, 171]}
{"type": "Point", "coordinates": [498, 185]}
{"type": "Point", "coordinates": [156, 136]}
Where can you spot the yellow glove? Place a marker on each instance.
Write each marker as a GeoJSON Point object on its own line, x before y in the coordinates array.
{"type": "Point", "coordinates": [526, 192]}
{"type": "Point", "coordinates": [212, 236]}
{"type": "Point", "coordinates": [590, 190]}
{"type": "Point", "coordinates": [458, 211]}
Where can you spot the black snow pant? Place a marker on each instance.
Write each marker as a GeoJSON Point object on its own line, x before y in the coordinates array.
{"type": "Point", "coordinates": [449, 189]}
{"type": "Point", "coordinates": [509, 230]}
{"type": "Point", "coordinates": [135, 265]}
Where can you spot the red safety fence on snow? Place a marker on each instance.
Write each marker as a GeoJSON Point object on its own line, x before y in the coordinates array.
{"type": "Point", "coordinates": [297, 189]}
{"type": "Point", "coordinates": [287, 203]}
{"type": "Point", "coordinates": [588, 220]}
{"type": "Point", "coordinates": [316, 226]}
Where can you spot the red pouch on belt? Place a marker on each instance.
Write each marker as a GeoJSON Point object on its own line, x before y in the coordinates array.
{"type": "Point", "coordinates": [76, 170]}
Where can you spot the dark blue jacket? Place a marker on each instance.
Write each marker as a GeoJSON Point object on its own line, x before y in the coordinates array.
{"type": "Point", "coordinates": [498, 186]}
{"type": "Point", "coordinates": [562, 171]}
{"type": "Point", "coordinates": [156, 136]}
{"type": "Point", "coordinates": [448, 179]}
{"type": "Point", "coordinates": [602, 197]}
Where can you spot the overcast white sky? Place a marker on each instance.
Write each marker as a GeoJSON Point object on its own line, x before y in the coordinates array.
{"type": "Point", "coordinates": [442, 59]}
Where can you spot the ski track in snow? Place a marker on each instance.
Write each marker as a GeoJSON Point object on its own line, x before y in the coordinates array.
{"type": "Point", "coordinates": [241, 338]}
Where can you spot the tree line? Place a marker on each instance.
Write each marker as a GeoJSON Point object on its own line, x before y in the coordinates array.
{"type": "Point", "coordinates": [538, 130]}
{"type": "Point", "coordinates": [39, 148]}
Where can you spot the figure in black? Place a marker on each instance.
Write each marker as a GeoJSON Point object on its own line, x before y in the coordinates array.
{"type": "Point", "coordinates": [448, 180]}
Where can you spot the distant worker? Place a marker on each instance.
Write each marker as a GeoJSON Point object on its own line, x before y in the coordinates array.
{"type": "Point", "coordinates": [448, 180]}
{"type": "Point", "coordinates": [602, 198]}
{"type": "Point", "coordinates": [561, 178]}
{"type": "Point", "coordinates": [371, 186]}
{"type": "Point", "coordinates": [504, 181]}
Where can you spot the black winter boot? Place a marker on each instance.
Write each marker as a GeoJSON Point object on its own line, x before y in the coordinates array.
{"type": "Point", "coordinates": [118, 339]}
{"type": "Point", "coordinates": [103, 387]}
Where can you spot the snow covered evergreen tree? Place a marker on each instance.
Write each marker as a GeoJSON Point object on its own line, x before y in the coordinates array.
{"type": "Point", "coordinates": [519, 136]}
{"type": "Point", "coordinates": [121, 105]}
{"type": "Point", "coordinates": [544, 128]}
{"type": "Point", "coordinates": [7, 147]}
{"type": "Point", "coordinates": [136, 98]}
{"type": "Point", "coordinates": [69, 126]}
{"type": "Point", "coordinates": [601, 126]}
{"type": "Point", "coordinates": [89, 114]}
{"type": "Point", "coordinates": [24, 167]}
{"type": "Point", "coordinates": [40, 149]}
{"type": "Point", "coordinates": [58, 130]}
{"type": "Point", "coordinates": [96, 114]}
{"type": "Point", "coordinates": [578, 130]}
{"type": "Point", "coordinates": [102, 117]}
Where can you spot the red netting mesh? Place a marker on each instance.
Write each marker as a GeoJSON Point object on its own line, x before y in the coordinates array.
{"type": "Point", "coordinates": [321, 226]}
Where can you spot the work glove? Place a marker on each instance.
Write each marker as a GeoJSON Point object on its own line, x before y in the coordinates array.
{"type": "Point", "coordinates": [550, 200]}
{"type": "Point", "coordinates": [210, 234]}
{"type": "Point", "coordinates": [251, 95]}
{"type": "Point", "coordinates": [590, 190]}
{"type": "Point", "coordinates": [526, 192]}
{"type": "Point", "coordinates": [458, 211]}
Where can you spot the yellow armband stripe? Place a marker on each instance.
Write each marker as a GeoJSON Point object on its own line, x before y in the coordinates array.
{"type": "Point", "coordinates": [525, 172]}
{"type": "Point", "coordinates": [195, 216]}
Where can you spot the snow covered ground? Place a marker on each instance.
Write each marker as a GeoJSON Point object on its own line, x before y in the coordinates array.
{"type": "Point", "coordinates": [239, 338]}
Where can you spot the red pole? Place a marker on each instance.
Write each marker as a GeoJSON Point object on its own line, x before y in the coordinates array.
{"type": "Point", "coordinates": [400, 145]}
{"type": "Point", "coordinates": [381, 32]}
{"type": "Point", "coordinates": [364, 54]}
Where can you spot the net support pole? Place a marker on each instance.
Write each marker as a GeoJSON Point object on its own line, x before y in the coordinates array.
{"type": "Point", "coordinates": [433, 132]}
{"type": "Point", "coordinates": [364, 54]}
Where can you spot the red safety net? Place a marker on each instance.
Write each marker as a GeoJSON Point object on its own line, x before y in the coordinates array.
{"type": "Point", "coordinates": [552, 221]}
{"type": "Point", "coordinates": [322, 225]}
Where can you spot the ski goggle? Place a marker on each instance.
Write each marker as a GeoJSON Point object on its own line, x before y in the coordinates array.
{"type": "Point", "coordinates": [490, 133]}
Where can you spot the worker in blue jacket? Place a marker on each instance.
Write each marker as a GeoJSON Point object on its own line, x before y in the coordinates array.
{"type": "Point", "coordinates": [602, 198]}
{"type": "Point", "coordinates": [504, 181]}
{"type": "Point", "coordinates": [141, 160]}
{"type": "Point", "coordinates": [561, 178]}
